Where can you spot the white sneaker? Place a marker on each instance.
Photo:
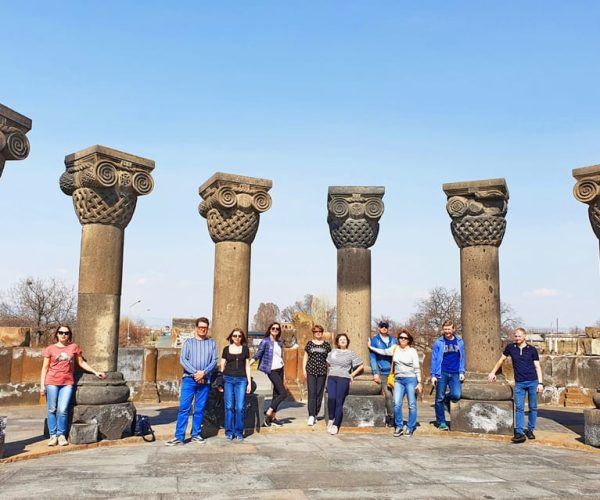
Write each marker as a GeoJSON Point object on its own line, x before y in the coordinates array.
{"type": "Point", "coordinates": [329, 424]}
{"type": "Point", "coordinates": [53, 441]}
{"type": "Point", "coordinates": [62, 441]}
{"type": "Point", "coordinates": [311, 421]}
{"type": "Point", "coordinates": [333, 429]}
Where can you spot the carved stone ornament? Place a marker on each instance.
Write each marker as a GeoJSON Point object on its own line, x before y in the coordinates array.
{"type": "Point", "coordinates": [587, 190]}
{"type": "Point", "coordinates": [105, 184]}
{"type": "Point", "coordinates": [353, 214]}
{"type": "Point", "coordinates": [478, 210]}
{"type": "Point", "coordinates": [232, 204]}
{"type": "Point", "coordinates": [14, 144]}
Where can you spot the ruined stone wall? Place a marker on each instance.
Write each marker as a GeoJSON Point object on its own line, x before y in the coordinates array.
{"type": "Point", "coordinates": [568, 380]}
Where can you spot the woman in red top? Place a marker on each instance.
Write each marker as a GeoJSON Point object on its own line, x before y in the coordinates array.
{"type": "Point", "coordinates": [57, 381]}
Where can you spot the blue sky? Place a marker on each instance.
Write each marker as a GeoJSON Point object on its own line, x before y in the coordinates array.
{"type": "Point", "coordinates": [407, 95]}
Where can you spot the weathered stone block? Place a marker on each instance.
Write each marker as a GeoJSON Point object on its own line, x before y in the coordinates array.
{"type": "Point", "coordinates": [14, 336]}
{"type": "Point", "coordinates": [130, 363]}
{"type": "Point", "coordinates": [564, 371]}
{"type": "Point", "coordinates": [32, 365]}
{"type": "Point", "coordinates": [19, 394]}
{"type": "Point", "coordinates": [83, 432]}
{"type": "Point", "coordinates": [168, 390]}
{"type": "Point", "coordinates": [115, 421]}
{"type": "Point", "coordinates": [591, 429]}
{"type": "Point", "coordinates": [2, 434]}
{"type": "Point", "coordinates": [363, 411]}
{"type": "Point", "coordinates": [589, 372]}
{"type": "Point", "coordinates": [16, 365]}
{"type": "Point", "coordinates": [592, 332]}
{"type": "Point", "coordinates": [168, 367]}
{"type": "Point", "coordinates": [484, 391]}
{"type": "Point", "coordinates": [5, 362]}
{"type": "Point", "coordinates": [484, 417]}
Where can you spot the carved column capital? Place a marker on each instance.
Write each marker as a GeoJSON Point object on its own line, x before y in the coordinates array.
{"type": "Point", "coordinates": [14, 144]}
{"type": "Point", "coordinates": [232, 204]}
{"type": "Point", "coordinates": [587, 190]}
{"type": "Point", "coordinates": [477, 210]}
{"type": "Point", "coordinates": [105, 184]}
{"type": "Point", "coordinates": [353, 214]}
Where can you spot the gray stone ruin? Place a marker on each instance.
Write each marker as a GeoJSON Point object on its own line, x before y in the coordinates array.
{"type": "Point", "coordinates": [14, 144]}
{"type": "Point", "coordinates": [587, 190]}
{"type": "Point", "coordinates": [353, 214]}
{"type": "Point", "coordinates": [478, 210]}
{"type": "Point", "coordinates": [104, 184]}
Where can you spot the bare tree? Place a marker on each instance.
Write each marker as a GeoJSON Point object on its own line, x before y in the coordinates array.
{"type": "Point", "coordinates": [508, 319]}
{"type": "Point", "coordinates": [133, 333]}
{"type": "Point", "coordinates": [41, 304]}
{"type": "Point", "coordinates": [266, 314]}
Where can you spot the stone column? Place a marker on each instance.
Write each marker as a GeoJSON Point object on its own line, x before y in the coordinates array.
{"type": "Point", "coordinates": [104, 184]}
{"type": "Point", "coordinates": [587, 190]}
{"type": "Point", "coordinates": [353, 214]}
{"type": "Point", "coordinates": [14, 144]}
{"type": "Point", "coordinates": [478, 210]}
{"type": "Point", "coordinates": [231, 205]}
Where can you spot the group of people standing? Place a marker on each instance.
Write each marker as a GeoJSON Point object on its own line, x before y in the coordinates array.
{"type": "Point", "coordinates": [394, 363]}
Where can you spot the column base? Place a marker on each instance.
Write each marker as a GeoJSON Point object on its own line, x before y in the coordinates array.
{"type": "Point", "coordinates": [591, 427]}
{"type": "Point", "coordinates": [483, 416]}
{"type": "Point", "coordinates": [362, 411]}
{"type": "Point", "coordinates": [477, 388]}
{"type": "Point", "coordinates": [596, 398]}
{"type": "Point", "coordinates": [106, 402]}
{"type": "Point", "coordinates": [364, 385]}
{"type": "Point", "coordinates": [115, 421]}
{"type": "Point", "coordinates": [84, 433]}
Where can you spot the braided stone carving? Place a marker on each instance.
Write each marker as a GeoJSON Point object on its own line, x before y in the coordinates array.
{"type": "Point", "coordinates": [353, 215]}
{"type": "Point", "coordinates": [232, 204]}
{"type": "Point", "coordinates": [478, 211]}
{"type": "Point", "coordinates": [587, 190]}
{"type": "Point", "coordinates": [105, 184]}
{"type": "Point", "coordinates": [14, 144]}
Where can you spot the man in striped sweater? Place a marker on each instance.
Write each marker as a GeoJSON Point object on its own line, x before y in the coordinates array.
{"type": "Point", "coordinates": [198, 359]}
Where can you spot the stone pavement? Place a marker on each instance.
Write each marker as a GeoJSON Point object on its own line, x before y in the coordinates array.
{"type": "Point", "coordinates": [286, 465]}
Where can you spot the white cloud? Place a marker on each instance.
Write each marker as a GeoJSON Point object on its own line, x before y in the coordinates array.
{"type": "Point", "coordinates": [543, 292]}
{"type": "Point", "coordinates": [141, 281]}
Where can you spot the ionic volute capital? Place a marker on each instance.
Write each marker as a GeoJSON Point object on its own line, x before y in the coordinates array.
{"type": "Point", "coordinates": [353, 214]}
{"type": "Point", "coordinates": [14, 144]}
{"type": "Point", "coordinates": [477, 210]}
{"type": "Point", "coordinates": [105, 184]}
{"type": "Point", "coordinates": [232, 204]}
{"type": "Point", "coordinates": [587, 190]}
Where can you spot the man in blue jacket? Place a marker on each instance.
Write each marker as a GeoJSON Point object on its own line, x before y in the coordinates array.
{"type": "Point", "coordinates": [381, 367]}
{"type": "Point", "coordinates": [447, 370]}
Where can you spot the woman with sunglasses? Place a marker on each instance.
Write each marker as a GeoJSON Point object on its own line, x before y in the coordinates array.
{"type": "Point", "coordinates": [407, 381]}
{"type": "Point", "coordinates": [270, 357]}
{"type": "Point", "coordinates": [235, 366]}
{"type": "Point", "coordinates": [57, 381]}
{"type": "Point", "coordinates": [314, 368]}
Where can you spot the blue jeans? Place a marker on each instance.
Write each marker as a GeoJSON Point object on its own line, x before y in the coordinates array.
{"type": "Point", "coordinates": [405, 386]}
{"type": "Point", "coordinates": [190, 390]}
{"type": "Point", "coordinates": [235, 395]}
{"type": "Point", "coordinates": [58, 398]}
{"type": "Point", "coordinates": [452, 381]}
{"type": "Point", "coordinates": [522, 388]}
{"type": "Point", "coordinates": [337, 390]}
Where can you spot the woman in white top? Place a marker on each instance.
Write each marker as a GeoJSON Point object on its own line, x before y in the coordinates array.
{"type": "Point", "coordinates": [407, 373]}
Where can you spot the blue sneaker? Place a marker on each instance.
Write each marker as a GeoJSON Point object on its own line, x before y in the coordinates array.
{"type": "Point", "coordinates": [239, 439]}
{"type": "Point", "coordinates": [229, 437]}
{"type": "Point", "coordinates": [443, 427]}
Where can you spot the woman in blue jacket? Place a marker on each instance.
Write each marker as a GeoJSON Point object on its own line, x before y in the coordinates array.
{"type": "Point", "coordinates": [270, 357]}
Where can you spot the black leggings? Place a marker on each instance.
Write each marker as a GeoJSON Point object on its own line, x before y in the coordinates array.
{"type": "Point", "coordinates": [279, 392]}
{"type": "Point", "coordinates": [316, 386]}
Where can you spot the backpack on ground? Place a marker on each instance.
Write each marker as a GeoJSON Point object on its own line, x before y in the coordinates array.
{"type": "Point", "coordinates": [143, 428]}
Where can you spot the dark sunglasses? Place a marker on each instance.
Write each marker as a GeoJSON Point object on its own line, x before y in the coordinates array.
{"type": "Point", "coordinates": [276, 328]}
{"type": "Point", "coordinates": [236, 336]}
{"type": "Point", "coordinates": [317, 331]}
{"type": "Point", "coordinates": [63, 333]}
{"type": "Point", "coordinates": [402, 338]}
